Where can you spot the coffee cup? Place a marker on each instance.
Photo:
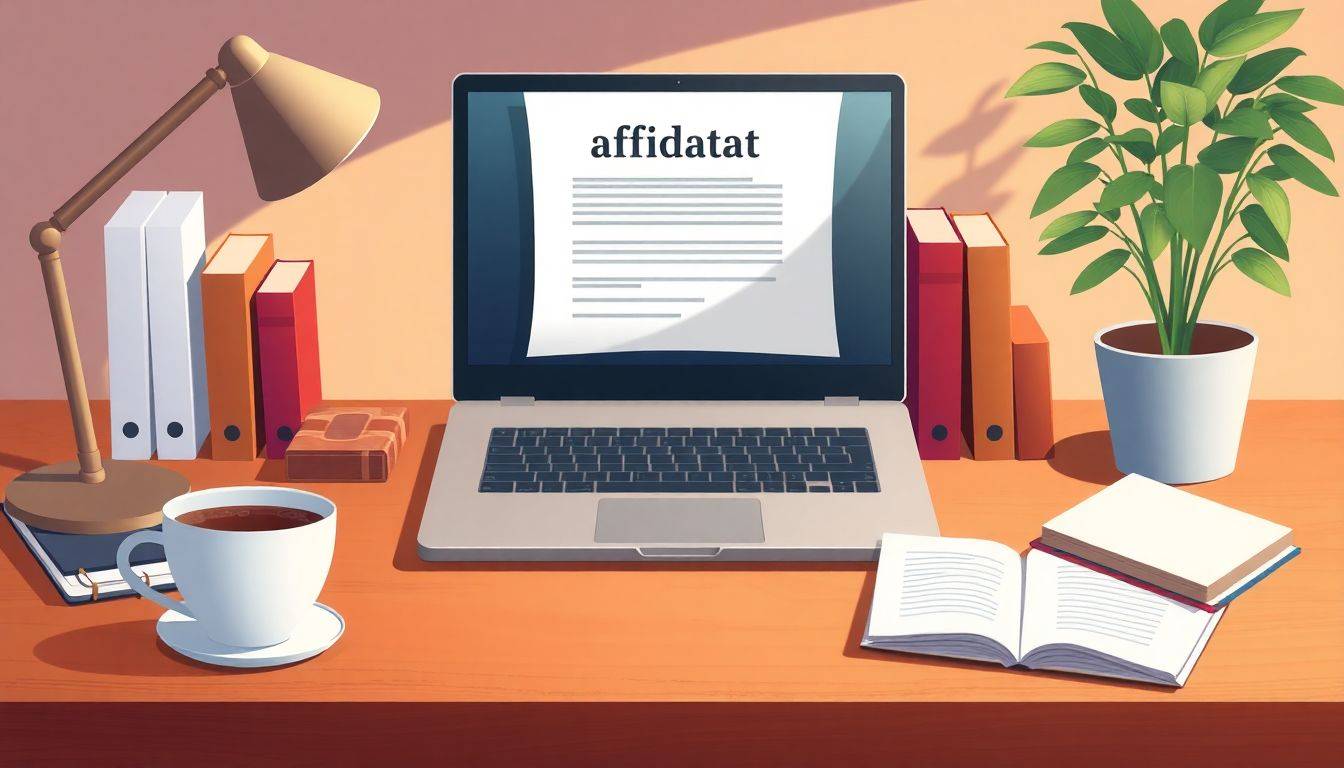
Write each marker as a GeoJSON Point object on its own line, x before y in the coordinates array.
{"type": "Point", "coordinates": [249, 561]}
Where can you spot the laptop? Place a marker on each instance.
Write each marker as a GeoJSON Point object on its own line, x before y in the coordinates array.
{"type": "Point", "coordinates": [678, 321]}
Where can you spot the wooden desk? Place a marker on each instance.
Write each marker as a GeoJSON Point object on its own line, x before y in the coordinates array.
{"type": "Point", "coordinates": [717, 642]}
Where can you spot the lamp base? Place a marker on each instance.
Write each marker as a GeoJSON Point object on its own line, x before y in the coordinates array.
{"type": "Point", "coordinates": [131, 497]}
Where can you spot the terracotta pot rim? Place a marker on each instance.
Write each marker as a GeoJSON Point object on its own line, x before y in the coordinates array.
{"type": "Point", "coordinates": [1252, 341]}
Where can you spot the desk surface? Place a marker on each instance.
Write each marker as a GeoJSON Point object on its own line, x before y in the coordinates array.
{"type": "Point", "coordinates": [689, 632]}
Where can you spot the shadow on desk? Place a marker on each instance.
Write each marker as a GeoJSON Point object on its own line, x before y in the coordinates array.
{"type": "Point", "coordinates": [119, 649]}
{"type": "Point", "coordinates": [857, 625]}
{"type": "Point", "coordinates": [1086, 456]}
{"type": "Point", "coordinates": [407, 556]}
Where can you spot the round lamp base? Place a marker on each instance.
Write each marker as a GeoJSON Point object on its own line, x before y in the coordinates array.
{"type": "Point", "coordinates": [131, 497]}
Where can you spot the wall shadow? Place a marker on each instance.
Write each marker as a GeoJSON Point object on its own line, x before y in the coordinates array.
{"type": "Point", "coordinates": [1087, 457]}
{"type": "Point", "coordinates": [978, 185]}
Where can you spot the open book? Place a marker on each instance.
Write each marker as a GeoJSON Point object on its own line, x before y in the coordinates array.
{"type": "Point", "coordinates": [980, 600]}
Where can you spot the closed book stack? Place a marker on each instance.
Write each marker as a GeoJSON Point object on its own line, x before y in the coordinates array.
{"type": "Point", "coordinates": [227, 286]}
{"type": "Point", "coordinates": [1033, 409]}
{"type": "Point", "coordinates": [987, 363]}
{"type": "Point", "coordinates": [934, 261]}
{"type": "Point", "coordinates": [347, 444]}
{"type": "Point", "coordinates": [285, 306]}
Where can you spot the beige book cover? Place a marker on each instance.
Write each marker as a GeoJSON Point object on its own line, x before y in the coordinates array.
{"type": "Point", "coordinates": [1168, 537]}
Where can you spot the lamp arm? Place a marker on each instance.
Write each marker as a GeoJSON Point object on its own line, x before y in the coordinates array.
{"type": "Point", "coordinates": [45, 239]}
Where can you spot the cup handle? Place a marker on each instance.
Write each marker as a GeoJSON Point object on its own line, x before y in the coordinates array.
{"type": "Point", "coordinates": [128, 545]}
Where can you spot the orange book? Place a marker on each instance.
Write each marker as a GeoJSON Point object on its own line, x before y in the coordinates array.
{"type": "Point", "coordinates": [1033, 409]}
{"type": "Point", "coordinates": [987, 352]}
{"type": "Point", "coordinates": [227, 286]}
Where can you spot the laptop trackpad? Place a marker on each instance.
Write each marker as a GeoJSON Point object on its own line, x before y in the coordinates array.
{"type": "Point", "coordinates": [679, 521]}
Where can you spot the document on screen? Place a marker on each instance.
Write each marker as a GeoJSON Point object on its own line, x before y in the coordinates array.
{"type": "Point", "coordinates": [682, 221]}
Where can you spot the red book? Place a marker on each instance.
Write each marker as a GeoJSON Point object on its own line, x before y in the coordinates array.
{"type": "Point", "coordinates": [291, 382]}
{"type": "Point", "coordinates": [934, 262]}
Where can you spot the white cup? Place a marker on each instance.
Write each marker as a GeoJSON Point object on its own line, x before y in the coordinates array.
{"type": "Point", "coordinates": [247, 588]}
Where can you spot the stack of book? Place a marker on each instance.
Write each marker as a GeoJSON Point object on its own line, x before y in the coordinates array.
{"type": "Point", "coordinates": [979, 367]}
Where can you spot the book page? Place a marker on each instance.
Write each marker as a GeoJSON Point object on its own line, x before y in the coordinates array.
{"type": "Point", "coordinates": [930, 585]}
{"type": "Point", "coordinates": [683, 222]}
{"type": "Point", "coordinates": [1067, 604]}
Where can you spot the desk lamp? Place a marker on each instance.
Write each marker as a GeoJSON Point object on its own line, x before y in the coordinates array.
{"type": "Point", "coordinates": [298, 123]}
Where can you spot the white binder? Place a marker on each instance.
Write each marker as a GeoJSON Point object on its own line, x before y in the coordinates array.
{"type": "Point", "coordinates": [175, 255]}
{"type": "Point", "coordinates": [128, 365]}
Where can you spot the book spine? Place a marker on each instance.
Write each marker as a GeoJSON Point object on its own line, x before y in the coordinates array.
{"type": "Point", "coordinates": [987, 410]}
{"type": "Point", "coordinates": [286, 326]}
{"type": "Point", "coordinates": [235, 430]}
{"type": "Point", "coordinates": [1033, 408]}
{"type": "Point", "coordinates": [935, 317]}
{"type": "Point", "coordinates": [175, 254]}
{"type": "Point", "coordinates": [130, 387]}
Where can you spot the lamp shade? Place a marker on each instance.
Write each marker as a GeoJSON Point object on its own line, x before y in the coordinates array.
{"type": "Point", "coordinates": [298, 122]}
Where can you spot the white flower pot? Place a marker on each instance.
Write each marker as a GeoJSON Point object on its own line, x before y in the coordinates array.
{"type": "Point", "coordinates": [1176, 418]}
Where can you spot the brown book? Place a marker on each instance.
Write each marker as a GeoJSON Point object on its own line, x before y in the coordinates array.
{"type": "Point", "coordinates": [228, 283]}
{"type": "Point", "coordinates": [352, 444]}
{"type": "Point", "coordinates": [987, 352]}
{"type": "Point", "coordinates": [1033, 409]}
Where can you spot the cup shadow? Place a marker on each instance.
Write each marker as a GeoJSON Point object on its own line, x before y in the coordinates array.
{"type": "Point", "coordinates": [859, 623]}
{"type": "Point", "coordinates": [1086, 456]}
{"type": "Point", "coordinates": [122, 648]}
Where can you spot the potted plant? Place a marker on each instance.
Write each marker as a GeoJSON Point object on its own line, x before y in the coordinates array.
{"type": "Point", "coordinates": [1195, 186]}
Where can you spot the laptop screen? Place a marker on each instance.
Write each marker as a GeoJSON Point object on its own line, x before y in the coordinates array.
{"type": "Point", "coordinates": [679, 228]}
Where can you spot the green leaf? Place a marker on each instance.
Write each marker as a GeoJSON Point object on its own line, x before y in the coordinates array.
{"type": "Point", "coordinates": [1133, 27]}
{"type": "Point", "coordinates": [1180, 42]}
{"type": "Point", "coordinates": [1211, 117]}
{"type": "Point", "coordinates": [1111, 216]}
{"type": "Point", "coordinates": [1251, 123]}
{"type": "Point", "coordinates": [1228, 155]}
{"type": "Point", "coordinates": [1286, 101]}
{"type": "Point", "coordinates": [1259, 70]}
{"type": "Point", "coordinates": [1245, 35]}
{"type": "Point", "coordinates": [1300, 168]}
{"type": "Point", "coordinates": [1273, 172]}
{"type": "Point", "coordinates": [1213, 79]}
{"type": "Point", "coordinates": [1263, 231]}
{"type": "Point", "coordinates": [1173, 71]}
{"type": "Point", "coordinates": [1113, 54]}
{"type": "Point", "coordinates": [1138, 142]}
{"type": "Point", "coordinates": [1075, 239]}
{"type": "Point", "coordinates": [1193, 193]}
{"type": "Point", "coordinates": [1101, 102]}
{"type": "Point", "coordinates": [1142, 109]}
{"type": "Point", "coordinates": [1171, 138]}
{"type": "Point", "coordinates": [1303, 131]}
{"type": "Point", "coordinates": [1062, 132]}
{"type": "Point", "coordinates": [1051, 45]}
{"type": "Point", "coordinates": [1042, 79]}
{"type": "Point", "coordinates": [1086, 150]}
{"type": "Point", "coordinates": [1067, 223]}
{"type": "Point", "coordinates": [1258, 266]}
{"type": "Point", "coordinates": [1124, 190]}
{"type": "Point", "coordinates": [1273, 200]}
{"type": "Point", "coordinates": [1313, 87]}
{"type": "Point", "coordinates": [1062, 184]}
{"type": "Point", "coordinates": [1184, 105]}
{"type": "Point", "coordinates": [1156, 229]}
{"type": "Point", "coordinates": [1223, 15]}
{"type": "Point", "coordinates": [1104, 266]}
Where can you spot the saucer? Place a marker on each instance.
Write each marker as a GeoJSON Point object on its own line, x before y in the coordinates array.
{"type": "Point", "coordinates": [319, 629]}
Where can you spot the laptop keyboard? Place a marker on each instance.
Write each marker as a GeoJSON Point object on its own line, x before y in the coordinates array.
{"type": "Point", "coordinates": [679, 460]}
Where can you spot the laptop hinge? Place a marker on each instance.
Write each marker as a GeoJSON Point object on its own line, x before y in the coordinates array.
{"type": "Point", "coordinates": [841, 400]}
{"type": "Point", "coordinates": [517, 400]}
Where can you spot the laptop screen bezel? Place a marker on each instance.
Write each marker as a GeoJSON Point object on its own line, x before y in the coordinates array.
{"type": "Point", "coordinates": [760, 381]}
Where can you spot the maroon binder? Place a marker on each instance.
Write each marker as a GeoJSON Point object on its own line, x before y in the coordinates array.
{"type": "Point", "coordinates": [934, 262]}
{"type": "Point", "coordinates": [291, 382]}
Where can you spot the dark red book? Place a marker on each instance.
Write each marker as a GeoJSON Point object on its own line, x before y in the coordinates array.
{"type": "Point", "coordinates": [934, 261]}
{"type": "Point", "coordinates": [291, 381]}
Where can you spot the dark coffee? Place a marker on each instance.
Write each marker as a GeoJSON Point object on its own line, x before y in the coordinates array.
{"type": "Point", "coordinates": [249, 518]}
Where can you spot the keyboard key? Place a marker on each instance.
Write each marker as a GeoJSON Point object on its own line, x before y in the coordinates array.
{"type": "Point", "coordinates": [552, 487]}
{"type": "Point", "coordinates": [840, 486]}
{"type": "Point", "coordinates": [557, 432]}
{"type": "Point", "coordinates": [748, 487]}
{"type": "Point", "coordinates": [672, 476]}
{"type": "Point", "coordinates": [796, 487]}
{"type": "Point", "coordinates": [594, 476]}
{"type": "Point", "coordinates": [866, 487]}
{"type": "Point", "coordinates": [800, 431]}
{"type": "Point", "coordinates": [727, 431]}
{"type": "Point", "coordinates": [499, 431]}
{"type": "Point", "coordinates": [682, 431]}
{"type": "Point", "coordinates": [570, 477]}
{"type": "Point", "coordinates": [628, 431]}
{"type": "Point", "coordinates": [501, 442]}
{"type": "Point", "coordinates": [756, 431]}
{"type": "Point", "coordinates": [721, 476]}
{"type": "Point", "coordinates": [860, 439]}
{"type": "Point", "coordinates": [496, 487]}
{"type": "Point", "coordinates": [696, 477]}
{"type": "Point", "coordinates": [548, 476]}
{"type": "Point", "coordinates": [773, 487]}
{"type": "Point", "coordinates": [531, 431]}
{"type": "Point", "coordinates": [780, 431]}
{"type": "Point", "coordinates": [854, 477]}
{"type": "Point", "coordinates": [652, 477]}
{"type": "Point", "coordinates": [818, 489]}
{"type": "Point", "coordinates": [490, 477]}
{"type": "Point", "coordinates": [823, 476]}
{"type": "Point", "coordinates": [702, 431]}
{"type": "Point", "coordinates": [578, 487]}
{"type": "Point", "coordinates": [654, 431]}
{"type": "Point", "coordinates": [527, 487]}
{"type": "Point", "coordinates": [604, 431]}
{"type": "Point", "coordinates": [744, 477]}
{"type": "Point", "coordinates": [664, 487]}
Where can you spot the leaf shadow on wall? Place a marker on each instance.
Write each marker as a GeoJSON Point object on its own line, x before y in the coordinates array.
{"type": "Point", "coordinates": [979, 185]}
